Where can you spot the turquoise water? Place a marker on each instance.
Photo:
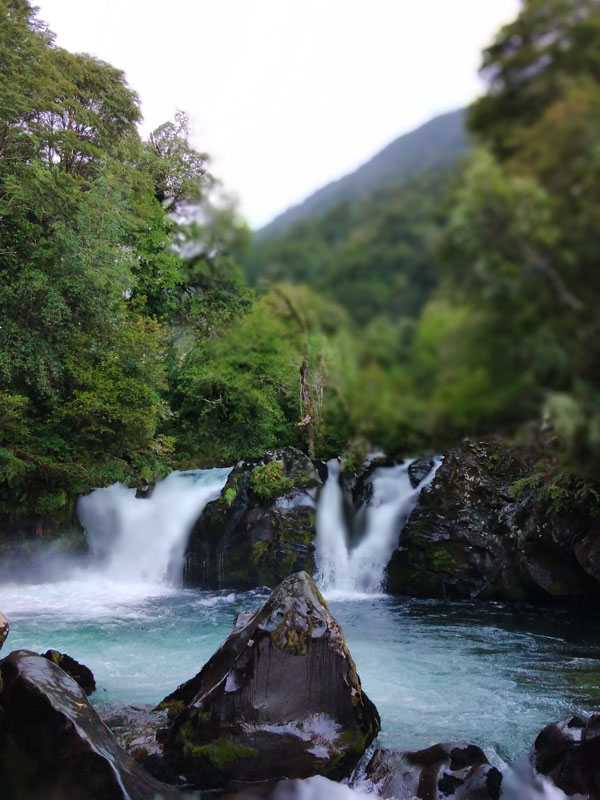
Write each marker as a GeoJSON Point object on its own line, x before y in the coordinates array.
{"type": "Point", "coordinates": [489, 673]}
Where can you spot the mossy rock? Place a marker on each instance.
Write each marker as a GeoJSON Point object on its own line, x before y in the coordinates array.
{"type": "Point", "coordinates": [79, 672]}
{"type": "Point", "coordinates": [280, 698]}
{"type": "Point", "coordinates": [261, 529]}
{"type": "Point", "coordinates": [481, 529]}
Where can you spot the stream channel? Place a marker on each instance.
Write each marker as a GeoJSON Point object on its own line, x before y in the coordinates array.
{"type": "Point", "coordinates": [491, 673]}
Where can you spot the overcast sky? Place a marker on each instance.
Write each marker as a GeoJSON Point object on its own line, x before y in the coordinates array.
{"type": "Point", "coordinates": [287, 95]}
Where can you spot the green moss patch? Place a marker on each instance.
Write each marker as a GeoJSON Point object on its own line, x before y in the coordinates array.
{"type": "Point", "coordinates": [268, 480]}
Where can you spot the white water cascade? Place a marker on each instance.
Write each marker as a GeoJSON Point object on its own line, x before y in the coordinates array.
{"type": "Point", "coordinates": [143, 540]}
{"type": "Point", "coordinates": [346, 570]}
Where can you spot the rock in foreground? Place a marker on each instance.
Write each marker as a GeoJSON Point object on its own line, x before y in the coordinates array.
{"type": "Point", "coordinates": [568, 753]}
{"type": "Point", "coordinates": [280, 698]}
{"type": "Point", "coordinates": [453, 770]}
{"type": "Point", "coordinates": [54, 746]}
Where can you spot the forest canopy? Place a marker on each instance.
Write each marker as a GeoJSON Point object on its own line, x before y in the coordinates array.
{"type": "Point", "coordinates": [457, 301]}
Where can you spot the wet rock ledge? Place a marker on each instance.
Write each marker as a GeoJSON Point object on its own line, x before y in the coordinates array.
{"type": "Point", "coordinates": [53, 745]}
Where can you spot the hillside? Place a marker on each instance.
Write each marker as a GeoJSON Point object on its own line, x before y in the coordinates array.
{"type": "Point", "coordinates": [438, 143]}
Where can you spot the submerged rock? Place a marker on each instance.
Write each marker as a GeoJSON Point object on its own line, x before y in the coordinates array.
{"type": "Point", "coordinates": [134, 728]}
{"type": "Point", "coordinates": [442, 772]}
{"type": "Point", "coordinates": [53, 745]}
{"type": "Point", "coordinates": [4, 629]}
{"type": "Point", "coordinates": [79, 672]}
{"type": "Point", "coordinates": [262, 527]}
{"type": "Point", "coordinates": [568, 753]}
{"type": "Point", "coordinates": [473, 534]}
{"type": "Point", "coordinates": [280, 698]}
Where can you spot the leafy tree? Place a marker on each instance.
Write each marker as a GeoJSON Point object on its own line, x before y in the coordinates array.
{"type": "Point", "coordinates": [244, 390]}
{"type": "Point", "coordinates": [531, 63]}
{"type": "Point", "coordinates": [176, 168]}
{"type": "Point", "coordinates": [88, 274]}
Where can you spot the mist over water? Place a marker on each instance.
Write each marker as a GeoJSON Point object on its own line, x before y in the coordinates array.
{"type": "Point", "coordinates": [136, 551]}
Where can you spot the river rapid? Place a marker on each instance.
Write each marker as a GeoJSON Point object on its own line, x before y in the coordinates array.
{"type": "Point", "coordinates": [491, 673]}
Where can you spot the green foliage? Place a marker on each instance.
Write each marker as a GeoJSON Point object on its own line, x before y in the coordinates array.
{"type": "Point", "coordinates": [90, 277]}
{"type": "Point", "coordinates": [258, 551]}
{"type": "Point", "coordinates": [531, 62]}
{"type": "Point", "coordinates": [420, 302]}
{"type": "Point", "coordinates": [176, 169]}
{"type": "Point", "coordinates": [560, 492]}
{"type": "Point", "coordinates": [373, 258]}
{"type": "Point", "coordinates": [268, 480]}
{"type": "Point", "coordinates": [236, 395]}
{"type": "Point", "coordinates": [229, 495]}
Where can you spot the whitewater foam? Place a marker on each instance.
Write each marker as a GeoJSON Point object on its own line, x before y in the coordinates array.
{"type": "Point", "coordinates": [347, 571]}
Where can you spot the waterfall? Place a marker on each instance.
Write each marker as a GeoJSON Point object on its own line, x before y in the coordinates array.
{"type": "Point", "coordinates": [347, 569]}
{"type": "Point", "coordinates": [331, 542]}
{"type": "Point", "coordinates": [143, 540]}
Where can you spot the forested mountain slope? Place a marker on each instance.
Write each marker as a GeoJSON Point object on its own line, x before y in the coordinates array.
{"type": "Point", "coordinates": [437, 144]}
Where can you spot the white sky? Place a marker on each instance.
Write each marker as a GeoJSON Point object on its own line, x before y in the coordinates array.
{"type": "Point", "coordinates": [287, 95]}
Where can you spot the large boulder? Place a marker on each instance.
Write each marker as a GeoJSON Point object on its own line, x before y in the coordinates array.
{"type": "Point", "coordinates": [568, 753]}
{"type": "Point", "coordinates": [53, 745]}
{"type": "Point", "coordinates": [262, 527]}
{"type": "Point", "coordinates": [453, 770]}
{"type": "Point", "coordinates": [481, 530]}
{"type": "Point", "coordinates": [280, 698]}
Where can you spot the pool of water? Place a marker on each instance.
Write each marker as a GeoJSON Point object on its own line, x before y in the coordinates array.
{"type": "Point", "coordinates": [490, 673]}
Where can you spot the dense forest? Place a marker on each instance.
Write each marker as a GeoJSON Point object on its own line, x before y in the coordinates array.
{"type": "Point", "coordinates": [141, 330]}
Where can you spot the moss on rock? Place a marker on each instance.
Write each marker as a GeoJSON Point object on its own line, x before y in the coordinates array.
{"type": "Point", "coordinates": [280, 698]}
{"type": "Point", "coordinates": [262, 527]}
